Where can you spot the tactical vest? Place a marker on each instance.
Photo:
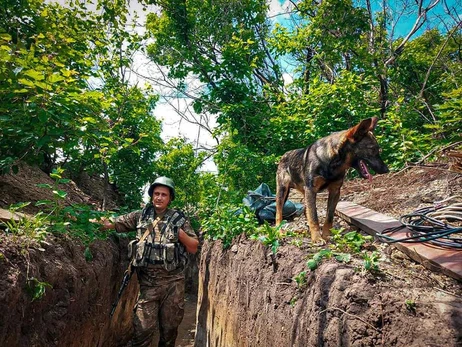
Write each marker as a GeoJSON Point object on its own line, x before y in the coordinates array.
{"type": "Point", "coordinates": [161, 246]}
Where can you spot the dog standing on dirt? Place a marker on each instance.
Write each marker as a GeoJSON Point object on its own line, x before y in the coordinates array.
{"type": "Point", "coordinates": [323, 165]}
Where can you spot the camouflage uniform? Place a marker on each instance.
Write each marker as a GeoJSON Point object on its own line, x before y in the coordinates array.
{"type": "Point", "coordinates": [160, 306]}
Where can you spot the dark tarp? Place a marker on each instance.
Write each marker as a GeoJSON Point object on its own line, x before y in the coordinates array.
{"type": "Point", "coordinates": [263, 202]}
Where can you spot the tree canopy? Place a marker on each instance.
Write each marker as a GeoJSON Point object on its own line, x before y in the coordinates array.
{"type": "Point", "coordinates": [344, 61]}
{"type": "Point", "coordinates": [272, 82]}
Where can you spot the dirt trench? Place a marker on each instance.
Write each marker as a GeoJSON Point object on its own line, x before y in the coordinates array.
{"type": "Point", "coordinates": [244, 302]}
{"type": "Point", "coordinates": [245, 297]}
{"type": "Point", "coordinates": [78, 295]}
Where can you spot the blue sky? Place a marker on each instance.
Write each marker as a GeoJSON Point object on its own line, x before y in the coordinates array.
{"type": "Point", "coordinates": [403, 10]}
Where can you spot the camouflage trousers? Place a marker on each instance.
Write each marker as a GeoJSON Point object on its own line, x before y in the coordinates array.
{"type": "Point", "coordinates": [159, 311]}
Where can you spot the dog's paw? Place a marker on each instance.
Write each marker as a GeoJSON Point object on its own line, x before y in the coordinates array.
{"type": "Point", "coordinates": [317, 239]}
{"type": "Point", "coordinates": [318, 242]}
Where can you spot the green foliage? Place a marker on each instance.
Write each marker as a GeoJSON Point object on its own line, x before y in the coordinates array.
{"type": "Point", "coordinates": [293, 301]}
{"type": "Point", "coordinates": [268, 235]}
{"type": "Point", "coordinates": [334, 53]}
{"type": "Point", "coordinates": [57, 217]}
{"type": "Point", "coordinates": [410, 305]}
{"type": "Point", "coordinates": [227, 222]}
{"type": "Point", "coordinates": [371, 261]}
{"type": "Point", "coordinates": [300, 279]}
{"type": "Point", "coordinates": [242, 168]}
{"type": "Point", "coordinates": [65, 97]}
{"type": "Point", "coordinates": [71, 219]}
{"type": "Point", "coordinates": [179, 161]}
{"type": "Point", "coordinates": [29, 229]}
{"type": "Point", "coordinates": [43, 73]}
{"type": "Point", "coordinates": [448, 126]}
{"type": "Point", "coordinates": [317, 258]}
{"type": "Point", "coordinates": [344, 245]}
{"type": "Point", "coordinates": [349, 242]}
{"type": "Point", "coordinates": [36, 288]}
{"type": "Point", "coordinates": [87, 254]}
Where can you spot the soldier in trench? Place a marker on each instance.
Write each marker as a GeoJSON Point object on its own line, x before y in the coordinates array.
{"type": "Point", "coordinates": [159, 262]}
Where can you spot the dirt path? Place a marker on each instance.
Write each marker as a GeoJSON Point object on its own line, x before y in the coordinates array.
{"type": "Point", "coordinates": [187, 327]}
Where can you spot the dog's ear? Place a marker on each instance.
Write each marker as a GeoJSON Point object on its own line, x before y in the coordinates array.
{"type": "Point", "coordinates": [360, 130]}
{"type": "Point", "coordinates": [374, 123]}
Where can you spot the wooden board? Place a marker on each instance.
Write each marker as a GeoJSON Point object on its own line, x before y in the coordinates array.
{"type": "Point", "coordinates": [6, 215]}
{"type": "Point", "coordinates": [439, 259]}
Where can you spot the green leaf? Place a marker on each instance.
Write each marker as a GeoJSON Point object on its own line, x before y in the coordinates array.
{"type": "Point", "coordinates": [5, 36]}
{"type": "Point", "coordinates": [55, 78]}
{"type": "Point", "coordinates": [88, 255]}
{"type": "Point", "coordinates": [43, 202]}
{"type": "Point", "coordinates": [63, 180]}
{"type": "Point", "coordinates": [312, 264]}
{"type": "Point", "coordinates": [26, 82]}
{"type": "Point", "coordinates": [60, 193]}
{"type": "Point", "coordinates": [43, 140]}
{"type": "Point", "coordinates": [343, 257]}
{"type": "Point", "coordinates": [36, 75]}
{"type": "Point", "coordinates": [19, 205]}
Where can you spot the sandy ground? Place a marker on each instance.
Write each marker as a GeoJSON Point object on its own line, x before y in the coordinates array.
{"type": "Point", "coordinates": [187, 327]}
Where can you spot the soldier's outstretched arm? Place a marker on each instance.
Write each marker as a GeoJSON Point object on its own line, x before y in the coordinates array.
{"type": "Point", "coordinates": [189, 242]}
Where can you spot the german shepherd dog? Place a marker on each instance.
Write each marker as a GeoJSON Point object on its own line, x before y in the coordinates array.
{"type": "Point", "coordinates": [323, 165]}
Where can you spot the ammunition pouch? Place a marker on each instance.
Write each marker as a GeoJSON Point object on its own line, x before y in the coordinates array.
{"type": "Point", "coordinates": [171, 256]}
{"type": "Point", "coordinates": [167, 254]}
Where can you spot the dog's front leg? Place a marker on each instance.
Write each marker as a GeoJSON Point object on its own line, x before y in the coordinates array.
{"type": "Point", "coordinates": [282, 192]}
{"type": "Point", "coordinates": [334, 196]}
{"type": "Point", "coordinates": [312, 214]}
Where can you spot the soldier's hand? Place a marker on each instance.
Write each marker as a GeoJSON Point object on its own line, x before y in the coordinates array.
{"type": "Point", "coordinates": [177, 219]}
{"type": "Point", "coordinates": [105, 224]}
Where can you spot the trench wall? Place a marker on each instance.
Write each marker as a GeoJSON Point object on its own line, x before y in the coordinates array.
{"type": "Point", "coordinates": [74, 310]}
{"type": "Point", "coordinates": [246, 299]}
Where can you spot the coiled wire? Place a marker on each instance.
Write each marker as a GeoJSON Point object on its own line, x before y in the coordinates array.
{"type": "Point", "coordinates": [430, 224]}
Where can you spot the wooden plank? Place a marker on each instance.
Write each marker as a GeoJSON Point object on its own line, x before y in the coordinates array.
{"type": "Point", "coordinates": [438, 259]}
{"type": "Point", "coordinates": [6, 215]}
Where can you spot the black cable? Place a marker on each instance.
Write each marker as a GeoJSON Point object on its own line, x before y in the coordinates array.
{"type": "Point", "coordinates": [424, 228]}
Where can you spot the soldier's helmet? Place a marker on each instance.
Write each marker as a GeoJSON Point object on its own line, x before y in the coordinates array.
{"type": "Point", "coordinates": [163, 181]}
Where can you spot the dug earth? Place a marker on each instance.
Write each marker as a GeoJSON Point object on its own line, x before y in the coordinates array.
{"type": "Point", "coordinates": [246, 295]}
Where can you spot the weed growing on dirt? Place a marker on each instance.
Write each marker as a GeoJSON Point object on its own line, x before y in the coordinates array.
{"type": "Point", "coordinates": [28, 229]}
{"type": "Point", "coordinates": [74, 219]}
{"type": "Point", "coordinates": [268, 235]}
{"type": "Point", "coordinates": [293, 301]}
{"type": "Point", "coordinates": [296, 242]}
{"type": "Point", "coordinates": [36, 288]}
{"type": "Point", "coordinates": [326, 253]}
{"type": "Point", "coordinates": [56, 217]}
{"type": "Point", "coordinates": [371, 261]}
{"type": "Point", "coordinates": [87, 254]}
{"type": "Point", "coordinates": [349, 242]}
{"type": "Point", "coordinates": [228, 222]}
{"type": "Point", "coordinates": [410, 305]}
{"type": "Point", "coordinates": [343, 247]}
{"type": "Point", "coordinates": [300, 279]}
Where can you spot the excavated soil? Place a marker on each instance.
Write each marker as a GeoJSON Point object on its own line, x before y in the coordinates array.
{"type": "Point", "coordinates": [246, 297]}
{"type": "Point", "coordinates": [249, 298]}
